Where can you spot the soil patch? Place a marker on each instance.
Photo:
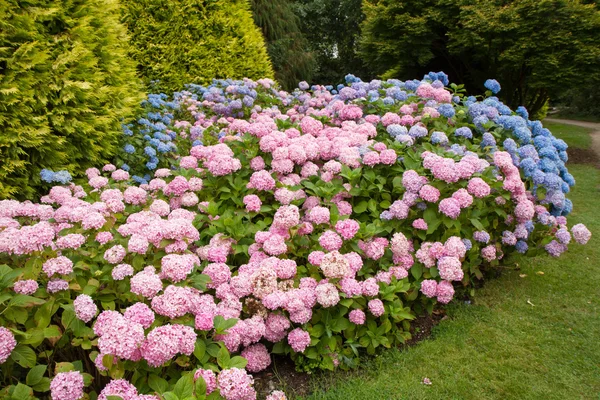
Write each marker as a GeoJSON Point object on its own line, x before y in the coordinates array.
{"type": "Point", "coordinates": [583, 156]}
{"type": "Point", "coordinates": [282, 374]}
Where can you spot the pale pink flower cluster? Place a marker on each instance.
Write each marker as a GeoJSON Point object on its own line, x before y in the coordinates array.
{"type": "Point", "coordinates": [7, 344]}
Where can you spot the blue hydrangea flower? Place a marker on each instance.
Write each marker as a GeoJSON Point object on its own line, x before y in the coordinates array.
{"type": "Point", "coordinates": [522, 111]}
{"type": "Point", "coordinates": [439, 138]}
{"type": "Point", "coordinates": [396, 129]}
{"type": "Point", "coordinates": [163, 147]}
{"type": "Point", "coordinates": [464, 131]}
{"type": "Point", "coordinates": [492, 85]}
{"type": "Point", "coordinates": [522, 247]}
{"type": "Point", "coordinates": [47, 175]}
{"type": "Point", "coordinates": [139, 180]}
{"type": "Point", "coordinates": [488, 140]}
{"type": "Point", "coordinates": [446, 110]}
{"type": "Point", "coordinates": [125, 167]}
{"type": "Point", "coordinates": [63, 177]}
{"type": "Point", "coordinates": [468, 244]}
{"type": "Point", "coordinates": [417, 131]}
{"type": "Point", "coordinates": [150, 151]}
{"type": "Point", "coordinates": [129, 149]}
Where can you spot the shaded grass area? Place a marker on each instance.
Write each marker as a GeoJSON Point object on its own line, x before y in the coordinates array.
{"type": "Point", "coordinates": [577, 116]}
{"type": "Point", "coordinates": [531, 334]}
{"type": "Point", "coordinates": [576, 136]}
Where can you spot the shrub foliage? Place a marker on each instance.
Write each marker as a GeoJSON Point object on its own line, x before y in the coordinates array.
{"type": "Point", "coordinates": [177, 42]}
{"type": "Point", "coordinates": [65, 85]}
{"type": "Point", "coordinates": [307, 224]}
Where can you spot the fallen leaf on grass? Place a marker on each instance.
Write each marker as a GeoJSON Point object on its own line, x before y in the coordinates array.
{"type": "Point", "coordinates": [540, 272]}
{"type": "Point", "coordinates": [523, 275]}
{"type": "Point", "coordinates": [530, 303]}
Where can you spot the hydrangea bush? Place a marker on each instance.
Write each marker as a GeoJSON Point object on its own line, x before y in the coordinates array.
{"type": "Point", "coordinates": [315, 224]}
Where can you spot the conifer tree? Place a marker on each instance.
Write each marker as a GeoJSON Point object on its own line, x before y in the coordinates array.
{"type": "Point", "coordinates": [176, 42]}
{"type": "Point", "coordinates": [66, 83]}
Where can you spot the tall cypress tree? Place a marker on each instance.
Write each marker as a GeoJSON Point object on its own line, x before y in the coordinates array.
{"type": "Point", "coordinates": [66, 83]}
{"type": "Point", "coordinates": [288, 48]}
{"type": "Point", "coordinates": [177, 42]}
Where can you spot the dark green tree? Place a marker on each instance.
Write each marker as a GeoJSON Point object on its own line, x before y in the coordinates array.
{"type": "Point", "coordinates": [66, 83]}
{"type": "Point", "coordinates": [332, 28]}
{"type": "Point", "coordinates": [535, 48]}
{"type": "Point", "coordinates": [194, 41]}
{"type": "Point", "coordinates": [287, 47]}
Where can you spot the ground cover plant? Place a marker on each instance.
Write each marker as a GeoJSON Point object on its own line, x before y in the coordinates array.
{"type": "Point", "coordinates": [241, 221]}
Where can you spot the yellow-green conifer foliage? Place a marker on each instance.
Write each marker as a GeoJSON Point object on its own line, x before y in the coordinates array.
{"type": "Point", "coordinates": [66, 84]}
{"type": "Point", "coordinates": [177, 42]}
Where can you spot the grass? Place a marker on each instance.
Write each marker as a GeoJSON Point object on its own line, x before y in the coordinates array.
{"type": "Point", "coordinates": [531, 334]}
{"type": "Point", "coordinates": [576, 136]}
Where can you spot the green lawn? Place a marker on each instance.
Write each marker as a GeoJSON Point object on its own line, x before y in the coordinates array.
{"type": "Point", "coordinates": [576, 136]}
{"type": "Point", "coordinates": [530, 337]}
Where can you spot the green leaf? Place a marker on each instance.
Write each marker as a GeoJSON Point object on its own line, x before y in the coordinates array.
{"type": "Point", "coordinates": [199, 349]}
{"type": "Point", "coordinates": [416, 271]}
{"type": "Point", "coordinates": [200, 386]}
{"type": "Point", "coordinates": [237, 362]}
{"type": "Point", "coordinates": [63, 367]}
{"type": "Point", "coordinates": [184, 387]}
{"type": "Point", "coordinates": [35, 374]}
{"type": "Point", "coordinates": [43, 386]}
{"type": "Point", "coordinates": [221, 324]}
{"type": "Point", "coordinates": [477, 224]}
{"type": "Point", "coordinates": [22, 392]}
{"type": "Point", "coordinates": [24, 356]}
{"type": "Point", "coordinates": [360, 207]}
{"type": "Point", "coordinates": [22, 300]}
{"type": "Point", "coordinates": [52, 331]}
{"type": "Point", "coordinates": [223, 357]}
{"type": "Point", "coordinates": [44, 314]}
{"type": "Point", "coordinates": [114, 398]}
{"type": "Point", "coordinates": [158, 384]}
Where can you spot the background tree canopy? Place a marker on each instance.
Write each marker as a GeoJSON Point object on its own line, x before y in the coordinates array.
{"type": "Point", "coordinates": [288, 49]}
{"type": "Point", "coordinates": [536, 49]}
{"type": "Point", "coordinates": [332, 28]}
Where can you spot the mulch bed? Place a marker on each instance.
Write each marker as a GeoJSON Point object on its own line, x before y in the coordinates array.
{"type": "Point", "coordinates": [282, 370]}
{"type": "Point", "coordinates": [583, 156]}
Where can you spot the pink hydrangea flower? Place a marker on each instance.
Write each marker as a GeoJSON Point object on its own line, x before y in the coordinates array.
{"type": "Point", "coordinates": [420, 224]}
{"type": "Point", "coordinates": [357, 317]}
{"type": "Point", "coordinates": [85, 309]}
{"type": "Point", "coordinates": [347, 228]}
{"type": "Point", "coordinates": [299, 340]}
{"type": "Point", "coordinates": [26, 287]}
{"type": "Point", "coordinates": [445, 292]}
{"type": "Point", "coordinates": [67, 386]}
{"type": "Point", "coordinates": [450, 207]}
{"type": "Point", "coordinates": [330, 241]}
{"type": "Point", "coordinates": [252, 203]}
{"type": "Point", "coordinates": [376, 307]}
{"type": "Point", "coordinates": [236, 384]}
{"type": "Point", "coordinates": [209, 378]}
{"type": "Point", "coordinates": [7, 344]}
{"type": "Point", "coordinates": [450, 269]}
{"type": "Point", "coordinates": [258, 357]}
{"type": "Point", "coordinates": [581, 233]}
{"type": "Point", "coordinates": [121, 388]}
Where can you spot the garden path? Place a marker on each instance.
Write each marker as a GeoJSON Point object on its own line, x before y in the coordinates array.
{"type": "Point", "coordinates": [595, 134]}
